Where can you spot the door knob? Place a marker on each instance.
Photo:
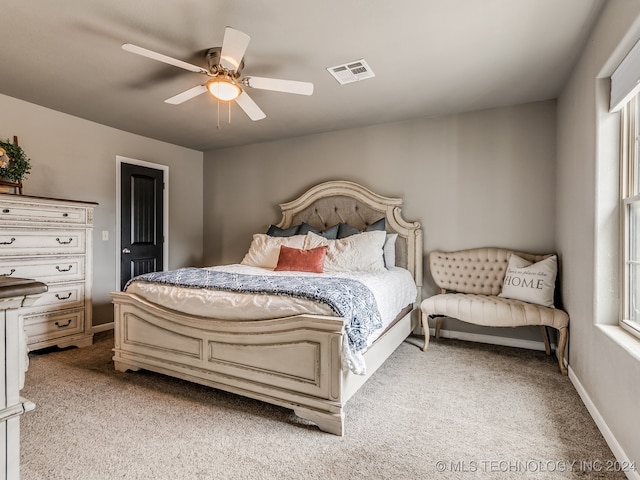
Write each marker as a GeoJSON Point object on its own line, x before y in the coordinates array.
{"type": "Point", "coordinates": [126, 251]}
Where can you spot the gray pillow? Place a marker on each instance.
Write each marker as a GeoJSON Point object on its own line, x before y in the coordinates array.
{"type": "Point", "coordinates": [275, 231]}
{"type": "Point", "coordinates": [330, 233]}
{"type": "Point", "coordinates": [377, 225]}
{"type": "Point", "coordinates": [346, 230]}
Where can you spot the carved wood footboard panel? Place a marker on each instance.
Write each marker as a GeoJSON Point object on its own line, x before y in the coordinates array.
{"type": "Point", "coordinates": [291, 354]}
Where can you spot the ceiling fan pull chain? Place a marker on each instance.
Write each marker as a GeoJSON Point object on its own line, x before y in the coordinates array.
{"type": "Point", "coordinates": [218, 120]}
{"type": "Point", "coordinates": [229, 103]}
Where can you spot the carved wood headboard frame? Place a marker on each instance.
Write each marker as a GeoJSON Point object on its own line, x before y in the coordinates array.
{"type": "Point", "coordinates": [341, 201]}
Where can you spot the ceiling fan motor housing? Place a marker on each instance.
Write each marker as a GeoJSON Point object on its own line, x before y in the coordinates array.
{"type": "Point", "coordinates": [213, 61]}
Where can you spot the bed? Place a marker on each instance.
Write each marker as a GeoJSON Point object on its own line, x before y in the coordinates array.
{"type": "Point", "coordinates": [296, 358]}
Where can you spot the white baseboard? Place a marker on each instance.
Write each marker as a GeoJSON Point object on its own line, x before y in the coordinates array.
{"type": "Point", "coordinates": [608, 435]}
{"type": "Point", "coordinates": [103, 327]}
{"type": "Point", "coordinates": [492, 339]}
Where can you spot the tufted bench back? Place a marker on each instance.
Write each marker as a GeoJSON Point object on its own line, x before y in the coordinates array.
{"type": "Point", "coordinates": [478, 270]}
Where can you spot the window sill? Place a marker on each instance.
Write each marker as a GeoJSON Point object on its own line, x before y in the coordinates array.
{"type": "Point", "coordinates": [620, 336]}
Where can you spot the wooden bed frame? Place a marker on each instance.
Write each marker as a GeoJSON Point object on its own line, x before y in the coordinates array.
{"type": "Point", "coordinates": [293, 362]}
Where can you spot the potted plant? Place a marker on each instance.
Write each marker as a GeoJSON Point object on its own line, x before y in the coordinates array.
{"type": "Point", "coordinates": [14, 164]}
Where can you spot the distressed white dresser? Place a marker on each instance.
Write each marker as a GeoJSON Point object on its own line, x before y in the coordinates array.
{"type": "Point", "coordinates": [14, 293]}
{"type": "Point", "coordinates": [50, 240]}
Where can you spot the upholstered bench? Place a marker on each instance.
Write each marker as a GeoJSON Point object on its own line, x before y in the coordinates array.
{"type": "Point", "coordinates": [499, 288]}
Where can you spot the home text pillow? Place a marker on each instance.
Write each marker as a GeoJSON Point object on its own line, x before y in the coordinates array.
{"type": "Point", "coordinates": [265, 250]}
{"type": "Point", "coordinates": [357, 253]}
{"type": "Point", "coordinates": [530, 282]}
{"type": "Point", "coordinates": [297, 260]}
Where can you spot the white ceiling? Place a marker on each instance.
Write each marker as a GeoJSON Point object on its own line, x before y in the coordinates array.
{"type": "Point", "coordinates": [430, 57]}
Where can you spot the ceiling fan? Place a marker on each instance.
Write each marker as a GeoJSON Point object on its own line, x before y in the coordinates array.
{"type": "Point", "coordinates": [225, 81]}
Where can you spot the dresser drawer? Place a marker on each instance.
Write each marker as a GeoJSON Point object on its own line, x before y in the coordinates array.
{"type": "Point", "coordinates": [51, 325]}
{"type": "Point", "coordinates": [18, 242]}
{"type": "Point", "coordinates": [60, 296]}
{"type": "Point", "coordinates": [16, 212]}
{"type": "Point", "coordinates": [47, 270]}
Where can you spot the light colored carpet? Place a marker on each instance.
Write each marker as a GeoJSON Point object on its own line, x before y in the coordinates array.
{"type": "Point", "coordinates": [460, 410]}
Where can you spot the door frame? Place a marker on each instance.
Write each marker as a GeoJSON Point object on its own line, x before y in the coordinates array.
{"type": "Point", "coordinates": [165, 215]}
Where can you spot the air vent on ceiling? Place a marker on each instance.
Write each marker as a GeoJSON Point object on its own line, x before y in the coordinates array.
{"type": "Point", "coordinates": [351, 72]}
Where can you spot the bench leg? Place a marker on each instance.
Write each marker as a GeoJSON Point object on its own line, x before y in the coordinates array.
{"type": "Point", "coordinates": [425, 327]}
{"type": "Point", "coordinates": [545, 337]}
{"type": "Point", "coordinates": [562, 344]}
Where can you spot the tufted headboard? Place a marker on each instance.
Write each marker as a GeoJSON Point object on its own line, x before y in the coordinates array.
{"type": "Point", "coordinates": [478, 270]}
{"type": "Point", "coordinates": [341, 201]}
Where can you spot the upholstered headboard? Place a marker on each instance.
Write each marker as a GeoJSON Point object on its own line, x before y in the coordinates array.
{"type": "Point", "coordinates": [340, 201]}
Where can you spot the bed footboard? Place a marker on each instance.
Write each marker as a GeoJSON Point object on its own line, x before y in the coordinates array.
{"type": "Point", "coordinates": [293, 362]}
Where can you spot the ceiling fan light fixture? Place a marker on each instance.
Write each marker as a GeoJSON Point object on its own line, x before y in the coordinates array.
{"type": "Point", "coordinates": [224, 90]}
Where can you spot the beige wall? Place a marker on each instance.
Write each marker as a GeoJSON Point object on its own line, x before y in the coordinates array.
{"type": "Point", "coordinates": [604, 361]}
{"type": "Point", "coordinates": [484, 178]}
{"type": "Point", "coordinates": [75, 159]}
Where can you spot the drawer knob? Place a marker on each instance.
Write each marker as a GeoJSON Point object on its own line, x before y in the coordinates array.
{"type": "Point", "coordinates": [9, 242]}
{"type": "Point", "coordinates": [65, 215]}
{"type": "Point", "coordinates": [63, 269]}
{"type": "Point", "coordinates": [62, 242]}
{"type": "Point", "coordinates": [63, 298]}
{"type": "Point", "coordinates": [8, 274]}
{"type": "Point", "coordinates": [59, 325]}
{"type": "Point", "coordinates": [6, 210]}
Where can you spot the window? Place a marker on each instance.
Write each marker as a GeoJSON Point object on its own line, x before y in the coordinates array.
{"type": "Point", "coordinates": [630, 197]}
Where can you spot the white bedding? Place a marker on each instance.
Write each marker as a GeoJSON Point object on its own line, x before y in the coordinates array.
{"type": "Point", "coordinates": [393, 290]}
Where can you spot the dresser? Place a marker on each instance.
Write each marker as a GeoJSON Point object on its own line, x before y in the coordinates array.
{"type": "Point", "coordinates": [14, 294]}
{"type": "Point", "coordinates": [50, 240]}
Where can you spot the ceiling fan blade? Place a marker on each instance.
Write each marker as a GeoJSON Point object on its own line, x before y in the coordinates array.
{"type": "Point", "coordinates": [287, 86]}
{"type": "Point", "coordinates": [246, 103]}
{"type": "Point", "coordinates": [187, 95]}
{"type": "Point", "coordinates": [234, 45]}
{"type": "Point", "coordinates": [162, 58]}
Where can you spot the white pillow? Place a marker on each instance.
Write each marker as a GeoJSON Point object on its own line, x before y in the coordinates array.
{"type": "Point", "coordinates": [389, 250]}
{"type": "Point", "coordinates": [265, 250]}
{"type": "Point", "coordinates": [533, 283]}
{"type": "Point", "coordinates": [357, 253]}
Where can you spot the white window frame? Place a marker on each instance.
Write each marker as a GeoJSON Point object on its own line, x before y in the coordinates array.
{"type": "Point", "coordinates": [630, 195]}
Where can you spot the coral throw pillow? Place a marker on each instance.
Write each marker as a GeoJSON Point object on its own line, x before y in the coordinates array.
{"type": "Point", "coordinates": [297, 260]}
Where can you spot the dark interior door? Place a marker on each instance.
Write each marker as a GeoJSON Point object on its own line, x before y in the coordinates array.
{"type": "Point", "coordinates": [141, 238]}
